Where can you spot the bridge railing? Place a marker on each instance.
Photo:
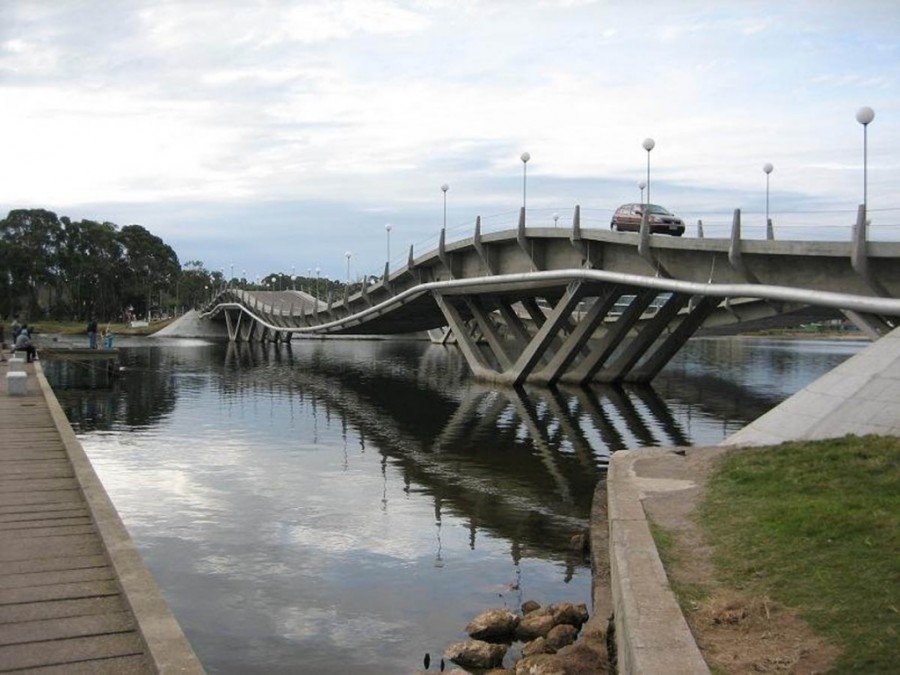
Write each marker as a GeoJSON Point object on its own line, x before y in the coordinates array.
{"type": "Point", "coordinates": [816, 225]}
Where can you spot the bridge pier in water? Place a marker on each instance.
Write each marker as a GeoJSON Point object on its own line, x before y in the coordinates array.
{"type": "Point", "coordinates": [582, 337]}
{"type": "Point", "coordinates": [547, 304]}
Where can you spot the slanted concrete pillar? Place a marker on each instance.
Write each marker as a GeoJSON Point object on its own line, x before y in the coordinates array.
{"type": "Point", "coordinates": [537, 347]}
{"type": "Point", "coordinates": [663, 353]}
{"type": "Point", "coordinates": [489, 331]}
{"type": "Point", "coordinates": [578, 338]}
{"type": "Point", "coordinates": [467, 345]}
{"type": "Point", "coordinates": [585, 370]}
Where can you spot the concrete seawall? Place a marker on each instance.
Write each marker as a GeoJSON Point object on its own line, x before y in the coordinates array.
{"type": "Point", "coordinates": [861, 396]}
{"type": "Point", "coordinates": [167, 649]}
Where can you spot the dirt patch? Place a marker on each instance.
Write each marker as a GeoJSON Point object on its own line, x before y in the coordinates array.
{"type": "Point", "coordinates": [736, 632]}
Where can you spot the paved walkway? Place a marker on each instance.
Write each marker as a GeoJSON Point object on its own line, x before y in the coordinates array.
{"type": "Point", "coordinates": [74, 594]}
{"type": "Point", "coordinates": [861, 396]}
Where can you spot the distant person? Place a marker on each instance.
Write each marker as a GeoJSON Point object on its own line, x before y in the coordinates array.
{"type": "Point", "coordinates": [2, 343]}
{"type": "Point", "coordinates": [23, 344]}
{"type": "Point", "coordinates": [92, 333]}
{"type": "Point", "coordinates": [16, 327]}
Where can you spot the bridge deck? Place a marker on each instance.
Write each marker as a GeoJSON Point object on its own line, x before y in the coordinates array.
{"type": "Point", "coordinates": [63, 603]}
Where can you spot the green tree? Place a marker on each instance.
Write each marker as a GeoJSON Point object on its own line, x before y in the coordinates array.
{"type": "Point", "coordinates": [29, 256]}
{"type": "Point", "coordinates": [92, 267]}
{"type": "Point", "coordinates": [150, 266]}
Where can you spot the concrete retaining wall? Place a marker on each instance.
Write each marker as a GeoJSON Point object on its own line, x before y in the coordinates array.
{"type": "Point", "coordinates": [652, 635]}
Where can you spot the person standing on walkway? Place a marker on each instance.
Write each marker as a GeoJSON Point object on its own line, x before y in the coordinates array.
{"type": "Point", "coordinates": [2, 343]}
{"type": "Point", "coordinates": [92, 333]}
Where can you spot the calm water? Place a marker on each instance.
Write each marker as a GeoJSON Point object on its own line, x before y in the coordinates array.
{"type": "Point", "coordinates": [347, 506]}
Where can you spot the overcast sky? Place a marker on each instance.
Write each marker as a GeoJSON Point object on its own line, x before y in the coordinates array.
{"type": "Point", "coordinates": [269, 135]}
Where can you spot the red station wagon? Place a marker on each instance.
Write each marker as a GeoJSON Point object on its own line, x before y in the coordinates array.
{"type": "Point", "coordinates": [627, 218]}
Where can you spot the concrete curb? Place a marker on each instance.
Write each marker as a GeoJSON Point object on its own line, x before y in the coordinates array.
{"type": "Point", "coordinates": [167, 647]}
{"type": "Point", "coordinates": [652, 635]}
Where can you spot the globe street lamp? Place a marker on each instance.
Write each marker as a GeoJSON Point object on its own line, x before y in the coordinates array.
{"type": "Point", "coordinates": [293, 277]}
{"type": "Point", "coordinates": [525, 157]}
{"type": "Point", "coordinates": [767, 168]}
{"type": "Point", "coordinates": [864, 116]}
{"type": "Point", "coordinates": [444, 189]}
{"type": "Point", "coordinates": [317, 284]}
{"type": "Point", "coordinates": [648, 144]}
{"type": "Point", "coordinates": [555, 220]}
{"type": "Point", "coordinates": [387, 228]}
{"type": "Point", "coordinates": [641, 186]}
{"type": "Point", "coordinates": [348, 255]}
{"type": "Point", "coordinates": [232, 274]}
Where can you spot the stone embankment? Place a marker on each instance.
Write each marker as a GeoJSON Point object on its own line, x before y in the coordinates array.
{"type": "Point", "coordinates": [548, 636]}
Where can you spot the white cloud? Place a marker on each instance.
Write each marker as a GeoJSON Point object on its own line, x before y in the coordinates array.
{"type": "Point", "coordinates": [374, 104]}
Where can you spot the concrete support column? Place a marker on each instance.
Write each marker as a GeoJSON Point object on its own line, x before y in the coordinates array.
{"type": "Point", "coordinates": [578, 338]}
{"type": "Point", "coordinates": [584, 372]}
{"type": "Point", "coordinates": [489, 331]}
{"type": "Point", "coordinates": [467, 345]}
{"type": "Point", "coordinates": [644, 340]}
{"type": "Point", "coordinates": [514, 325]}
{"type": "Point", "coordinates": [556, 319]}
{"type": "Point", "coordinates": [664, 351]}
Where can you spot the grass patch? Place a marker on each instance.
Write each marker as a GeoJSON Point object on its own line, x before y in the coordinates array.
{"type": "Point", "coordinates": [79, 328]}
{"type": "Point", "coordinates": [816, 526]}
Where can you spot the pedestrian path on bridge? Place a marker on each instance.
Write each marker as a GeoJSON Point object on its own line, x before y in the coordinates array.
{"type": "Point", "coordinates": [74, 593]}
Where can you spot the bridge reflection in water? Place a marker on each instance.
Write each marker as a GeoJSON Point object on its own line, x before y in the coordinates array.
{"type": "Point", "coordinates": [292, 481]}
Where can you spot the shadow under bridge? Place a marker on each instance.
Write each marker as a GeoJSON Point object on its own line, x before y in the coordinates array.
{"type": "Point", "coordinates": [567, 325]}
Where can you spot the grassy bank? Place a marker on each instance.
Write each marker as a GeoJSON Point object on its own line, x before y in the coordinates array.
{"type": "Point", "coordinates": [79, 327]}
{"type": "Point", "coordinates": [816, 527]}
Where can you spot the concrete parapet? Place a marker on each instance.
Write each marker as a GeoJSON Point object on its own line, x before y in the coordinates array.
{"type": "Point", "coordinates": [652, 635]}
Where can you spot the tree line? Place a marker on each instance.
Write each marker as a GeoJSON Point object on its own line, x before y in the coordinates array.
{"type": "Point", "coordinates": [56, 268]}
{"type": "Point", "coordinates": [60, 269]}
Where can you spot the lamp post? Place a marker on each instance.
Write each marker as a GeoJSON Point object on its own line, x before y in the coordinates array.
{"type": "Point", "coordinates": [387, 229]}
{"type": "Point", "coordinates": [348, 255]}
{"type": "Point", "coordinates": [767, 168]}
{"type": "Point", "coordinates": [317, 283]}
{"type": "Point", "coordinates": [555, 220]}
{"type": "Point", "coordinates": [864, 116]}
{"type": "Point", "coordinates": [230, 278]}
{"type": "Point", "coordinates": [293, 277]}
{"type": "Point", "coordinates": [244, 278]}
{"type": "Point", "coordinates": [444, 189]}
{"type": "Point", "coordinates": [525, 157]}
{"type": "Point", "coordinates": [648, 144]}
{"type": "Point", "coordinates": [641, 186]}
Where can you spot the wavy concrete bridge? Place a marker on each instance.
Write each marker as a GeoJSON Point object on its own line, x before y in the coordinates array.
{"type": "Point", "coordinates": [574, 305]}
